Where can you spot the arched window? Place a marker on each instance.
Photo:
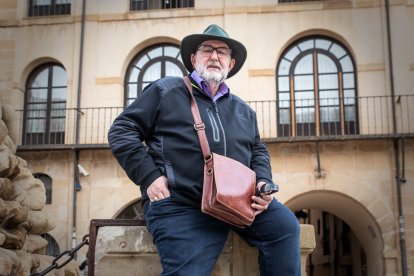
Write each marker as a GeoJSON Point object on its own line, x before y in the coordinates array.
{"type": "Point", "coordinates": [132, 211]}
{"type": "Point", "coordinates": [152, 64]}
{"type": "Point", "coordinates": [45, 106]}
{"type": "Point", "coordinates": [47, 181]}
{"type": "Point", "coordinates": [316, 89]}
{"type": "Point", "coordinates": [52, 246]}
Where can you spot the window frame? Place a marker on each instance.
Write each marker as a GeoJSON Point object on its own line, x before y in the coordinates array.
{"type": "Point", "coordinates": [317, 127]}
{"type": "Point", "coordinates": [47, 136]}
{"type": "Point", "coordinates": [140, 84]}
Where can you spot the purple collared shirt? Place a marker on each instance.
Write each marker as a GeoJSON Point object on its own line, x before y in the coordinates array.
{"type": "Point", "coordinates": [223, 88]}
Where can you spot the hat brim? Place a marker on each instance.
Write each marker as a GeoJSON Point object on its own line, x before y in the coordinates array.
{"type": "Point", "coordinates": [190, 43]}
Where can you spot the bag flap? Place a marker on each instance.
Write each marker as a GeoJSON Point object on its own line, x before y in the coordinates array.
{"type": "Point", "coordinates": [235, 184]}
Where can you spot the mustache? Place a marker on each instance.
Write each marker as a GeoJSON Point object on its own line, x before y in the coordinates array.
{"type": "Point", "coordinates": [213, 63]}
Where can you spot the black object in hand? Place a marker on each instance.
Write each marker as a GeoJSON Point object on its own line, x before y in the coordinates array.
{"type": "Point", "coordinates": [267, 189]}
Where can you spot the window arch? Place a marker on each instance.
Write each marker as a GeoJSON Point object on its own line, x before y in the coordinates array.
{"type": "Point", "coordinates": [52, 248]}
{"type": "Point", "coordinates": [45, 105]}
{"type": "Point", "coordinates": [132, 211]}
{"type": "Point", "coordinates": [316, 89]}
{"type": "Point", "coordinates": [47, 182]}
{"type": "Point", "coordinates": [149, 65]}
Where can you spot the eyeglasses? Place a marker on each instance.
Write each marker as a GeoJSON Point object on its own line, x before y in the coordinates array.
{"type": "Point", "coordinates": [207, 50]}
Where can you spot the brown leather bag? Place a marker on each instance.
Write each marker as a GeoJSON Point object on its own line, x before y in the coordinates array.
{"type": "Point", "coordinates": [228, 184]}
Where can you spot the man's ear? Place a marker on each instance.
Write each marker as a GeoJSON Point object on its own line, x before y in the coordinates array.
{"type": "Point", "coordinates": [193, 59]}
{"type": "Point", "coordinates": [232, 63]}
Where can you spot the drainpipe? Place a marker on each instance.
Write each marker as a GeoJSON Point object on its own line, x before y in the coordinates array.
{"type": "Point", "coordinates": [76, 151]}
{"type": "Point", "coordinates": [396, 145]}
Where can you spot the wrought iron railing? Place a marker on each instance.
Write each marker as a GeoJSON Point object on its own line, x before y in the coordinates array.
{"type": "Point", "coordinates": [299, 1]}
{"type": "Point", "coordinates": [139, 5]}
{"type": "Point", "coordinates": [373, 118]}
{"type": "Point", "coordinates": [49, 7]}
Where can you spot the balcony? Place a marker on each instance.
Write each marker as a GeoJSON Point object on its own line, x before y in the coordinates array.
{"type": "Point", "coordinates": [372, 119]}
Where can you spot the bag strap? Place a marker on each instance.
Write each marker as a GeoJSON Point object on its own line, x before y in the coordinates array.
{"type": "Point", "coordinates": [198, 123]}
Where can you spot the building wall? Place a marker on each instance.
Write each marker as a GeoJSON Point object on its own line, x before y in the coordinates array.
{"type": "Point", "coordinates": [357, 181]}
{"type": "Point", "coordinates": [357, 185]}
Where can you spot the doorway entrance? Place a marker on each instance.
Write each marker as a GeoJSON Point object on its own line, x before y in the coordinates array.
{"type": "Point", "coordinates": [338, 251]}
{"type": "Point", "coordinates": [348, 239]}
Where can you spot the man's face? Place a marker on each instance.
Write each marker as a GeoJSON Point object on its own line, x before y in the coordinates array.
{"type": "Point", "coordinates": [213, 61]}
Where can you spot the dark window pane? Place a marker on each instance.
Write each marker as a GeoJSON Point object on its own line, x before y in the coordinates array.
{"type": "Point", "coordinates": [137, 5]}
{"type": "Point", "coordinates": [47, 182]}
{"type": "Point", "coordinates": [49, 7]}
{"type": "Point", "coordinates": [52, 246]}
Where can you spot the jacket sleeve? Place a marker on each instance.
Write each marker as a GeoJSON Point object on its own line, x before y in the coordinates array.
{"type": "Point", "coordinates": [260, 162]}
{"type": "Point", "coordinates": [128, 132]}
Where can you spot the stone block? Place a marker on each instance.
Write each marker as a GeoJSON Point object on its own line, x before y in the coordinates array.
{"type": "Point", "coordinates": [40, 222]}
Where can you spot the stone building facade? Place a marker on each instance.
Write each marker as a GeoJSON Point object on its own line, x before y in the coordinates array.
{"type": "Point", "coordinates": [331, 82]}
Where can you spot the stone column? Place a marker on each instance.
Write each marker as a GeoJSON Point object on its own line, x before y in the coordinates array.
{"type": "Point", "coordinates": [307, 244]}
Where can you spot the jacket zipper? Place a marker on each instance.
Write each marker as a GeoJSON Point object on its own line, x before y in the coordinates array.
{"type": "Point", "coordinates": [214, 126]}
{"type": "Point", "coordinates": [221, 127]}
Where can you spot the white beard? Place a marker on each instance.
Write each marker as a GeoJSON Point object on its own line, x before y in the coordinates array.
{"type": "Point", "coordinates": [211, 76]}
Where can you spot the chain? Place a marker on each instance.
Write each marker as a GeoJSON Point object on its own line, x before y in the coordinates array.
{"type": "Point", "coordinates": [69, 253]}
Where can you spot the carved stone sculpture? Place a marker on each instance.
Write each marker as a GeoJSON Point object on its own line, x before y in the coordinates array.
{"type": "Point", "coordinates": [22, 219]}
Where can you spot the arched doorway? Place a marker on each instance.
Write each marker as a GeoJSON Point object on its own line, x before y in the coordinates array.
{"type": "Point", "coordinates": [354, 245]}
{"type": "Point", "coordinates": [338, 251]}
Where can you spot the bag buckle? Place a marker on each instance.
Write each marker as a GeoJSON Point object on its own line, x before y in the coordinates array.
{"type": "Point", "coordinates": [208, 158]}
{"type": "Point", "coordinates": [199, 126]}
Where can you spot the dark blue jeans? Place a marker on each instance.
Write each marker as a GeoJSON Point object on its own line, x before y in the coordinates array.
{"type": "Point", "coordinates": [189, 242]}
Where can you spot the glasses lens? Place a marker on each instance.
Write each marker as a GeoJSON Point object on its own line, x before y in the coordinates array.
{"type": "Point", "coordinates": [208, 50]}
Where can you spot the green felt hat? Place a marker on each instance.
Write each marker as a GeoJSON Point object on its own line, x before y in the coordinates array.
{"type": "Point", "coordinates": [190, 43]}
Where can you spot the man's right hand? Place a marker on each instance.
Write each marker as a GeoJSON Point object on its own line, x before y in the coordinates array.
{"type": "Point", "coordinates": [158, 189]}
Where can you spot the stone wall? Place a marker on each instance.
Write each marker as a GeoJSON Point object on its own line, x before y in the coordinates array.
{"type": "Point", "coordinates": [128, 250]}
{"type": "Point", "coordinates": [22, 218]}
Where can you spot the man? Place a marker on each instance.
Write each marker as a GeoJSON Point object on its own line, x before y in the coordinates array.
{"type": "Point", "coordinates": [169, 169]}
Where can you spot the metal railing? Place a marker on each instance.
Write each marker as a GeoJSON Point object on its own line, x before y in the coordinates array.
{"type": "Point", "coordinates": [94, 123]}
{"type": "Point", "coordinates": [299, 1]}
{"type": "Point", "coordinates": [48, 7]}
{"type": "Point", "coordinates": [372, 119]}
{"type": "Point", "coordinates": [139, 5]}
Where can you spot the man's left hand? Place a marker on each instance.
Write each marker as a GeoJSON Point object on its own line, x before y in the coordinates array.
{"type": "Point", "coordinates": [261, 203]}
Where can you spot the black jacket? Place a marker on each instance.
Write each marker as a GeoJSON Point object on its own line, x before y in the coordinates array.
{"type": "Point", "coordinates": [161, 118]}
